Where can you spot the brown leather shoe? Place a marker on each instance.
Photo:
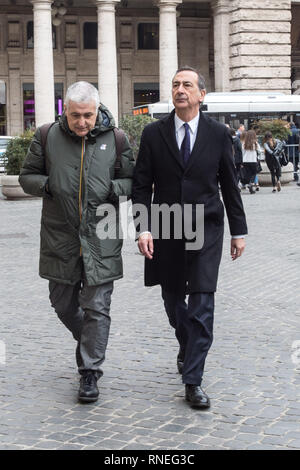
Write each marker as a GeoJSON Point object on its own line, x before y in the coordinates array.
{"type": "Point", "coordinates": [196, 397]}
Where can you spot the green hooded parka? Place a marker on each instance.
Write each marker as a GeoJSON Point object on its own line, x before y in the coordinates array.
{"type": "Point", "coordinates": [80, 176]}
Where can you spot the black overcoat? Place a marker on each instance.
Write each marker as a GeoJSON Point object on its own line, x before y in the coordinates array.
{"type": "Point", "coordinates": [211, 163]}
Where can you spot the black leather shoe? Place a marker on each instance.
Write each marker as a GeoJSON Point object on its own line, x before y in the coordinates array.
{"type": "Point", "coordinates": [88, 391]}
{"type": "Point", "coordinates": [196, 397]}
{"type": "Point", "coordinates": [180, 359]}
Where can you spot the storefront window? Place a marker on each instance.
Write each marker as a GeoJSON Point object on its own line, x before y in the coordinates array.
{"type": "Point", "coordinates": [145, 93]}
{"type": "Point", "coordinates": [28, 102]}
{"type": "Point", "coordinates": [29, 108]}
{"type": "Point", "coordinates": [2, 108]}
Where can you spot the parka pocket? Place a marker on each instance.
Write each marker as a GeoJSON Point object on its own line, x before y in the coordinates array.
{"type": "Point", "coordinates": [107, 233]}
{"type": "Point", "coordinates": [110, 248]}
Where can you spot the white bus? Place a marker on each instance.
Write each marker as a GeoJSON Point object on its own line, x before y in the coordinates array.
{"type": "Point", "coordinates": [234, 108]}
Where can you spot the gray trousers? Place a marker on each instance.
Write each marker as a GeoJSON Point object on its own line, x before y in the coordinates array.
{"type": "Point", "coordinates": [84, 310]}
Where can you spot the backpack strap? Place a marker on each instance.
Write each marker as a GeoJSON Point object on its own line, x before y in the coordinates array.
{"type": "Point", "coordinates": [44, 129]}
{"type": "Point", "coordinates": [120, 141]}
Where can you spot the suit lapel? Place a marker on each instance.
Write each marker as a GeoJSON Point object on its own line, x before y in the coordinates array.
{"type": "Point", "coordinates": [201, 141]}
{"type": "Point", "coordinates": [167, 129]}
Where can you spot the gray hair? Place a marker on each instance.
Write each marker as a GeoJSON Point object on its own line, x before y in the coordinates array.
{"type": "Point", "coordinates": [201, 81]}
{"type": "Point", "coordinates": [82, 92]}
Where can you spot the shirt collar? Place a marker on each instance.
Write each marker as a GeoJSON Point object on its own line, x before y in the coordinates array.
{"type": "Point", "coordinates": [193, 124]}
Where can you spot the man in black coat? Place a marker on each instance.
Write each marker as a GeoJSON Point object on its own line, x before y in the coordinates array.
{"type": "Point", "coordinates": [185, 157]}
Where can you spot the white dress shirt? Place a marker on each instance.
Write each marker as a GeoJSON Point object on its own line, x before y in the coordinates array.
{"type": "Point", "coordinates": [180, 130]}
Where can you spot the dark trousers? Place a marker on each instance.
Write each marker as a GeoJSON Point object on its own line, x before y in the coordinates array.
{"type": "Point", "coordinates": [84, 310]}
{"type": "Point", "coordinates": [250, 170]}
{"type": "Point", "coordinates": [274, 168]}
{"type": "Point", "coordinates": [193, 324]}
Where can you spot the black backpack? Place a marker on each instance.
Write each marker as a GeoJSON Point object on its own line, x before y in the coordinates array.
{"type": "Point", "coordinates": [279, 153]}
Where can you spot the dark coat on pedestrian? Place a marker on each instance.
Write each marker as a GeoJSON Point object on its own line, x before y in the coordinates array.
{"type": "Point", "coordinates": [293, 139]}
{"type": "Point", "coordinates": [272, 162]}
{"type": "Point", "coordinates": [238, 151]}
{"type": "Point", "coordinates": [211, 162]}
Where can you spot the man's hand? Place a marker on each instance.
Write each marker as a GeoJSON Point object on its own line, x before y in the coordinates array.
{"type": "Point", "coordinates": [237, 247]}
{"type": "Point", "coordinates": [145, 244]}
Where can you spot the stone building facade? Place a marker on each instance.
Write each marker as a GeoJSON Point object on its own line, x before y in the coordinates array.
{"type": "Point", "coordinates": [131, 49]}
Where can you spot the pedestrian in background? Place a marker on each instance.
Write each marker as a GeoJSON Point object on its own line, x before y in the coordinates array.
{"type": "Point", "coordinates": [251, 150]}
{"type": "Point", "coordinates": [260, 156]}
{"type": "Point", "coordinates": [237, 153]}
{"type": "Point", "coordinates": [293, 152]}
{"type": "Point", "coordinates": [185, 156]}
{"type": "Point", "coordinates": [242, 173]}
{"type": "Point", "coordinates": [240, 130]}
{"type": "Point", "coordinates": [271, 146]}
{"type": "Point", "coordinates": [74, 173]}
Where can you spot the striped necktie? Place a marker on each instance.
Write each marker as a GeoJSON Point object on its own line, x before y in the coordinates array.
{"type": "Point", "coordinates": [185, 149]}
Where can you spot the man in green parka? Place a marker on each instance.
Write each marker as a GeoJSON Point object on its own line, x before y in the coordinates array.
{"type": "Point", "coordinates": [74, 170]}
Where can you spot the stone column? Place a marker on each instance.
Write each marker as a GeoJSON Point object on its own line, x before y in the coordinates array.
{"type": "Point", "coordinates": [260, 44]}
{"type": "Point", "coordinates": [168, 54]}
{"type": "Point", "coordinates": [43, 62]}
{"type": "Point", "coordinates": [220, 10]}
{"type": "Point", "coordinates": [126, 59]}
{"type": "Point", "coordinates": [107, 55]}
{"type": "Point", "coordinates": [14, 86]}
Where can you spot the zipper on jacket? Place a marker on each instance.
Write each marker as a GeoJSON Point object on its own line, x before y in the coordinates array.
{"type": "Point", "coordinates": [80, 183]}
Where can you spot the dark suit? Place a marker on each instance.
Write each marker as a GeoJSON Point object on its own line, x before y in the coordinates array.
{"type": "Point", "coordinates": [177, 270]}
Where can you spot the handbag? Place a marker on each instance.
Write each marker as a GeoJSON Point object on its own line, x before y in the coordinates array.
{"type": "Point", "coordinates": [279, 153]}
{"type": "Point", "coordinates": [283, 159]}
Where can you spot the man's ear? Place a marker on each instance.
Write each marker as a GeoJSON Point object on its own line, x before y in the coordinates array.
{"type": "Point", "coordinates": [202, 95]}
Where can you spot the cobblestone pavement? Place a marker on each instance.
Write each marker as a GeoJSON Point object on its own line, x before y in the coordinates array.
{"type": "Point", "coordinates": [252, 375]}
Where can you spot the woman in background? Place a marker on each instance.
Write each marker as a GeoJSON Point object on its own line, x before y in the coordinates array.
{"type": "Point", "coordinates": [251, 150]}
{"type": "Point", "coordinates": [272, 162]}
